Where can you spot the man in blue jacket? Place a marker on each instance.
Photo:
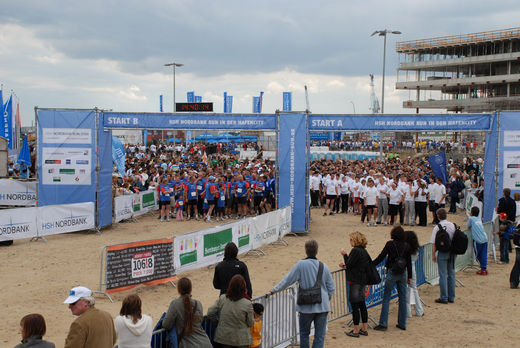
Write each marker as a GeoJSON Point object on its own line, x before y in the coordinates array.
{"type": "Point", "coordinates": [305, 273]}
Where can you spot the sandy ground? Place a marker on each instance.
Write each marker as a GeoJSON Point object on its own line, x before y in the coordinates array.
{"type": "Point", "coordinates": [37, 276]}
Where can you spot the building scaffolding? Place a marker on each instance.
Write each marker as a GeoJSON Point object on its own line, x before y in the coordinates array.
{"type": "Point", "coordinates": [476, 72]}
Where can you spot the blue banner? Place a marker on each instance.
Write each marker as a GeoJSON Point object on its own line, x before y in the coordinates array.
{"type": "Point", "coordinates": [261, 101]}
{"type": "Point", "coordinates": [8, 121]}
{"type": "Point", "coordinates": [122, 120]}
{"type": "Point", "coordinates": [292, 163]}
{"type": "Point", "coordinates": [229, 103]}
{"type": "Point", "coordinates": [198, 99]}
{"type": "Point", "coordinates": [161, 103]}
{"type": "Point", "coordinates": [191, 97]}
{"type": "Point", "coordinates": [491, 158]}
{"type": "Point", "coordinates": [462, 122]}
{"type": "Point", "coordinates": [225, 102]}
{"type": "Point", "coordinates": [256, 105]}
{"type": "Point", "coordinates": [145, 137]}
{"type": "Point", "coordinates": [438, 165]}
{"type": "Point", "coordinates": [118, 155]}
{"type": "Point", "coordinates": [287, 101]}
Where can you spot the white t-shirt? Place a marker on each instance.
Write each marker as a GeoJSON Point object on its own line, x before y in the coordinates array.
{"type": "Point", "coordinates": [315, 183]}
{"type": "Point", "coordinates": [344, 187]}
{"type": "Point", "coordinates": [395, 196]}
{"type": "Point", "coordinates": [355, 188]}
{"type": "Point", "coordinates": [432, 190]}
{"type": "Point", "coordinates": [420, 197]}
{"type": "Point", "coordinates": [371, 194]}
{"type": "Point", "coordinates": [331, 185]}
{"type": "Point", "coordinates": [409, 193]}
{"type": "Point", "coordinates": [440, 192]}
{"type": "Point", "coordinates": [384, 189]}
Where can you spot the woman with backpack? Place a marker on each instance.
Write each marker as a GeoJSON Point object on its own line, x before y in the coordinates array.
{"type": "Point", "coordinates": [356, 265]}
{"type": "Point", "coordinates": [398, 272]}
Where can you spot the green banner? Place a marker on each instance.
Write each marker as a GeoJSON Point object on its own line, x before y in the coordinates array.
{"type": "Point", "coordinates": [189, 257]}
{"type": "Point", "coordinates": [243, 240]}
{"type": "Point", "coordinates": [215, 243]}
{"type": "Point", "coordinates": [148, 200]}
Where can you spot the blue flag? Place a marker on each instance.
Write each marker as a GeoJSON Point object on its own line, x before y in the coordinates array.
{"type": "Point", "coordinates": [8, 122]}
{"type": "Point", "coordinates": [161, 103]}
{"type": "Point", "coordinates": [287, 101]}
{"type": "Point", "coordinates": [261, 100]}
{"type": "Point", "coordinates": [225, 102]}
{"type": "Point", "coordinates": [438, 165]}
{"type": "Point", "coordinates": [256, 105]}
{"type": "Point", "coordinates": [229, 103]}
{"type": "Point", "coordinates": [118, 155]}
{"type": "Point", "coordinates": [191, 97]}
{"type": "Point", "coordinates": [198, 99]}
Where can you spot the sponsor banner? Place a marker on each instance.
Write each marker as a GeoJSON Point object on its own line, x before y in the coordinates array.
{"type": "Point", "coordinates": [18, 223]}
{"type": "Point", "coordinates": [66, 166]}
{"type": "Point", "coordinates": [285, 221]}
{"type": "Point", "coordinates": [123, 208]}
{"type": "Point", "coordinates": [67, 136]}
{"type": "Point", "coordinates": [147, 262]}
{"type": "Point", "coordinates": [400, 122]}
{"type": "Point", "coordinates": [512, 138]}
{"type": "Point", "coordinates": [292, 179]}
{"type": "Point", "coordinates": [188, 121]}
{"type": "Point", "coordinates": [472, 201]}
{"type": "Point", "coordinates": [63, 218]}
{"type": "Point", "coordinates": [13, 192]}
{"type": "Point", "coordinates": [266, 229]}
{"type": "Point", "coordinates": [206, 247]}
{"type": "Point", "coordinates": [148, 200]}
{"type": "Point", "coordinates": [136, 205]}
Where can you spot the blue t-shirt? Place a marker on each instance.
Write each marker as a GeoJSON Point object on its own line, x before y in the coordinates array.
{"type": "Point", "coordinates": [477, 229]}
{"type": "Point", "coordinates": [221, 202]}
{"type": "Point", "coordinates": [192, 191]}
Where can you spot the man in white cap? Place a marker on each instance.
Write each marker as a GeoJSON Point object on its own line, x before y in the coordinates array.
{"type": "Point", "coordinates": [93, 328]}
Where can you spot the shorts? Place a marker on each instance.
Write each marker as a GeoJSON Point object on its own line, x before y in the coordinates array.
{"type": "Point", "coordinates": [258, 200]}
{"type": "Point", "coordinates": [371, 206]}
{"type": "Point", "coordinates": [356, 199]}
{"type": "Point", "coordinates": [164, 203]}
{"type": "Point", "coordinates": [331, 197]}
{"type": "Point", "coordinates": [211, 201]}
{"type": "Point", "coordinates": [242, 200]}
{"type": "Point", "coordinates": [192, 202]}
{"type": "Point", "coordinates": [229, 202]}
{"type": "Point", "coordinates": [431, 205]}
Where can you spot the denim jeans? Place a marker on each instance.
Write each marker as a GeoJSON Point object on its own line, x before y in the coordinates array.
{"type": "Point", "coordinates": [504, 250]}
{"type": "Point", "coordinates": [413, 293]}
{"type": "Point", "coordinates": [481, 254]}
{"type": "Point", "coordinates": [446, 265]}
{"type": "Point", "coordinates": [401, 281]}
{"type": "Point", "coordinates": [320, 328]}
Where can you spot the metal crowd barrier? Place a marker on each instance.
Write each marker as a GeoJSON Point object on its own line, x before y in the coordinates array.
{"type": "Point", "coordinates": [419, 268]}
{"type": "Point", "coordinates": [279, 322]}
{"type": "Point", "coordinates": [158, 339]}
{"type": "Point", "coordinates": [431, 272]}
{"type": "Point", "coordinates": [339, 306]}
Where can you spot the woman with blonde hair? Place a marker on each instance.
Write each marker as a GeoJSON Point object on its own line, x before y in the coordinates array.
{"type": "Point", "coordinates": [356, 265]}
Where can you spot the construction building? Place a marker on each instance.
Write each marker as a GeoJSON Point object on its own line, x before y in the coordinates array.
{"type": "Point", "coordinates": [462, 73]}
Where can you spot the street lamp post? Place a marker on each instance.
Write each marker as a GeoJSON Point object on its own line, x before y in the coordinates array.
{"type": "Point", "coordinates": [174, 65]}
{"type": "Point", "coordinates": [384, 33]}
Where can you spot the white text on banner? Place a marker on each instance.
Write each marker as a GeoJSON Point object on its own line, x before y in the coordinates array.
{"type": "Point", "coordinates": [266, 229]}
{"type": "Point", "coordinates": [123, 207]}
{"type": "Point", "coordinates": [18, 223]}
{"type": "Point", "coordinates": [13, 192]}
{"type": "Point", "coordinates": [63, 218]}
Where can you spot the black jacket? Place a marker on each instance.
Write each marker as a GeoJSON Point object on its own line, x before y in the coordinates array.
{"type": "Point", "coordinates": [507, 205]}
{"type": "Point", "coordinates": [356, 264]}
{"type": "Point", "coordinates": [225, 270]}
{"type": "Point", "coordinates": [390, 251]}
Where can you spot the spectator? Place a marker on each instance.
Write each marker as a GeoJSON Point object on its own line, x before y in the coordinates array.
{"type": "Point", "coordinates": [93, 328]}
{"type": "Point", "coordinates": [356, 265]}
{"type": "Point", "coordinates": [305, 273]}
{"type": "Point", "coordinates": [234, 314]}
{"type": "Point", "coordinates": [503, 225]}
{"type": "Point", "coordinates": [516, 197]}
{"type": "Point", "coordinates": [33, 328]}
{"type": "Point", "coordinates": [230, 266]}
{"type": "Point", "coordinates": [480, 241]}
{"type": "Point", "coordinates": [256, 329]}
{"type": "Point", "coordinates": [185, 315]}
{"type": "Point", "coordinates": [413, 295]}
{"type": "Point", "coordinates": [445, 260]}
{"type": "Point", "coordinates": [134, 330]}
{"type": "Point", "coordinates": [507, 205]}
{"type": "Point", "coordinates": [514, 277]}
{"type": "Point", "coordinates": [398, 272]}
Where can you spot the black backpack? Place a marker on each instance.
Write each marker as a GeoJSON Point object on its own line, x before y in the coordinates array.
{"type": "Point", "coordinates": [442, 239]}
{"type": "Point", "coordinates": [516, 236]}
{"type": "Point", "coordinates": [459, 243]}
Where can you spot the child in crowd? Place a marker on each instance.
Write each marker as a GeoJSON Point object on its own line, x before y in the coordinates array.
{"type": "Point", "coordinates": [480, 242]}
{"type": "Point", "coordinates": [256, 329]}
{"type": "Point", "coordinates": [221, 201]}
{"type": "Point", "coordinates": [180, 209]}
{"type": "Point", "coordinates": [503, 225]}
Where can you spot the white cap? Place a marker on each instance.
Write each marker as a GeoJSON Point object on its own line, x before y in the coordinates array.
{"type": "Point", "coordinates": [76, 293]}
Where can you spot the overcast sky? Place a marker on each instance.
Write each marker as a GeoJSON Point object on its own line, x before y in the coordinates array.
{"type": "Point", "coordinates": [110, 54]}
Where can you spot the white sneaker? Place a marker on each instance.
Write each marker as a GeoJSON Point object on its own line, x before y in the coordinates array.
{"type": "Point", "coordinates": [368, 224]}
{"type": "Point", "coordinates": [168, 218]}
{"type": "Point", "coordinates": [162, 219]}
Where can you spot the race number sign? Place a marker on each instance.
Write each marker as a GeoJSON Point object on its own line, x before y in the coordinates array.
{"type": "Point", "coordinates": [147, 262]}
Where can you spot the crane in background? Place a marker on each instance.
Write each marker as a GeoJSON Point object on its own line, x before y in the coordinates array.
{"type": "Point", "coordinates": [374, 102]}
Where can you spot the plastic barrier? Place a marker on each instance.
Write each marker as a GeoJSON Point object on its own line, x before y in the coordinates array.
{"type": "Point", "coordinates": [17, 193]}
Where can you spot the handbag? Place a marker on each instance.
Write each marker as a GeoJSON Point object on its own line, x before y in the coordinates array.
{"type": "Point", "coordinates": [313, 294]}
{"type": "Point", "coordinates": [373, 276]}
